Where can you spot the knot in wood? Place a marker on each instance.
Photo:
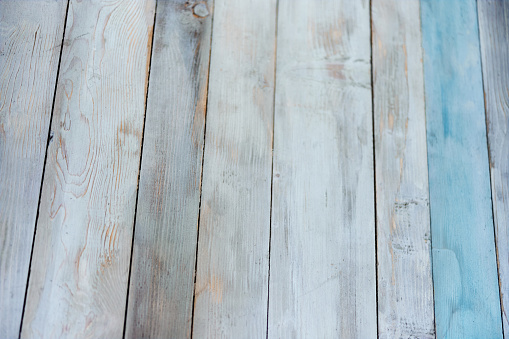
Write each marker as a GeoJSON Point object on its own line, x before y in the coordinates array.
{"type": "Point", "coordinates": [200, 10]}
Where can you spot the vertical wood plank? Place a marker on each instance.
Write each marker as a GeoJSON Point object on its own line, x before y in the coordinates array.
{"type": "Point", "coordinates": [163, 264]}
{"type": "Point", "coordinates": [405, 286]}
{"type": "Point", "coordinates": [464, 261]}
{"type": "Point", "coordinates": [30, 37]}
{"type": "Point", "coordinates": [232, 268]}
{"type": "Point", "coordinates": [494, 36]}
{"type": "Point", "coordinates": [322, 277]}
{"type": "Point", "coordinates": [82, 248]}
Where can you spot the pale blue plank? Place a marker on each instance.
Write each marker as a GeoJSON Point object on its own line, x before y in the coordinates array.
{"type": "Point", "coordinates": [467, 303]}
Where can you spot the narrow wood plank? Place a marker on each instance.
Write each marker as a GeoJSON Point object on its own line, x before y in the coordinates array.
{"type": "Point", "coordinates": [163, 264]}
{"type": "Point", "coordinates": [464, 262]}
{"type": "Point", "coordinates": [80, 265]}
{"type": "Point", "coordinates": [405, 286]}
{"type": "Point", "coordinates": [30, 37]}
{"type": "Point", "coordinates": [494, 36]}
{"type": "Point", "coordinates": [322, 278]}
{"type": "Point", "coordinates": [232, 268]}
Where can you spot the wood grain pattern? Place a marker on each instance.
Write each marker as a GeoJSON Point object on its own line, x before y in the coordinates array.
{"type": "Point", "coordinates": [494, 36]}
{"type": "Point", "coordinates": [30, 37]}
{"type": "Point", "coordinates": [464, 262]}
{"type": "Point", "coordinates": [322, 270]}
{"type": "Point", "coordinates": [405, 286]}
{"type": "Point", "coordinates": [232, 268]}
{"type": "Point", "coordinates": [163, 265]}
{"type": "Point", "coordinates": [82, 249]}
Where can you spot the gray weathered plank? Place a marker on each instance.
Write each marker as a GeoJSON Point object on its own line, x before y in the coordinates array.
{"type": "Point", "coordinates": [232, 268]}
{"type": "Point", "coordinates": [163, 264]}
{"type": "Point", "coordinates": [494, 36]}
{"type": "Point", "coordinates": [82, 249]}
{"type": "Point", "coordinates": [30, 37]}
{"type": "Point", "coordinates": [405, 286]}
{"type": "Point", "coordinates": [322, 276]}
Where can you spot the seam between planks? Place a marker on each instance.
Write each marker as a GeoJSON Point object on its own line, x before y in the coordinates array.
{"type": "Point", "coordinates": [139, 168]}
{"type": "Point", "coordinates": [489, 168]}
{"type": "Point", "coordinates": [48, 141]}
{"type": "Point", "coordinates": [272, 165]}
{"type": "Point", "coordinates": [374, 158]}
{"type": "Point", "coordinates": [427, 170]}
{"type": "Point", "coordinates": [201, 174]}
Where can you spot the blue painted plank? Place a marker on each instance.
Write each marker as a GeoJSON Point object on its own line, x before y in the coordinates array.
{"type": "Point", "coordinates": [467, 303]}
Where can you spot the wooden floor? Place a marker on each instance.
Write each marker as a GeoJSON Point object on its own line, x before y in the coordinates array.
{"type": "Point", "coordinates": [254, 169]}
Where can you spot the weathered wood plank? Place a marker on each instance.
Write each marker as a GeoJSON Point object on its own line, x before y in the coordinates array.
{"type": "Point", "coordinates": [232, 268]}
{"type": "Point", "coordinates": [322, 276]}
{"type": "Point", "coordinates": [405, 286]}
{"type": "Point", "coordinates": [30, 37]}
{"type": "Point", "coordinates": [494, 36]}
{"type": "Point", "coordinates": [464, 261]}
{"type": "Point", "coordinates": [163, 264]}
{"type": "Point", "coordinates": [82, 249]}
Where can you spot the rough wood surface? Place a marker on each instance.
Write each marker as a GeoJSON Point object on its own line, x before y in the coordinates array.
{"type": "Point", "coordinates": [322, 268]}
{"type": "Point", "coordinates": [405, 286]}
{"type": "Point", "coordinates": [82, 249]}
{"type": "Point", "coordinates": [464, 262]}
{"type": "Point", "coordinates": [30, 37]}
{"type": "Point", "coordinates": [163, 264]}
{"type": "Point", "coordinates": [494, 36]}
{"type": "Point", "coordinates": [232, 268]}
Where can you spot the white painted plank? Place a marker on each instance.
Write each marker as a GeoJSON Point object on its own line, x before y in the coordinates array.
{"type": "Point", "coordinates": [494, 35]}
{"type": "Point", "coordinates": [405, 284]}
{"type": "Point", "coordinates": [30, 37]}
{"type": "Point", "coordinates": [82, 249]}
{"type": "Point", "coordinates": [322, 269]}
{"type": "Point", "coordinates": [232, 272]}
{"type": "Point", "coordinates": [163, 264]}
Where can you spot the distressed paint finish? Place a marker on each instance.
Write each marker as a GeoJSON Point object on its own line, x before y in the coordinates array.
{"type": "Point", "coordinates": [163, 264]}
{"type": "Point", "coordinates": [30, 37]}
{"type": "Point", "coordinates": [322, 267]}
{"type": "Point", "coordinates": [464, 261]}
{"type": "Point", "coordinates": [232, 268]}
{"type": "Point", "coordinates": [405, 287]}
{"type": "Point", "coordinates": [494, 36]}
{"type": "Point", "coordinates": [82, 248]}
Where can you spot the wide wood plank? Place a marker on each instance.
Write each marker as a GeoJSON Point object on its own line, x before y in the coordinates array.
{"type": "Point", "coordinates": [163, 264]}
{"type": "Point", "coordinates": [232, 268]}
{"type": "Point", "coordinates": [82, 249]}
{"type": "Point", "coordinates": [405, 287]}
{"type": "Point", "coordinates": [322, 267]}
{"type": "Point", "coordinates": [30, 37]}
{"type": "Point", "coordinates": [494, 36]}
{"type": "Point", "coordinates": [464, 261]}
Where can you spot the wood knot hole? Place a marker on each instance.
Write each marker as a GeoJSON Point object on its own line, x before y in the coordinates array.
{"type": "Point", "coordinates": [200, 10]}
